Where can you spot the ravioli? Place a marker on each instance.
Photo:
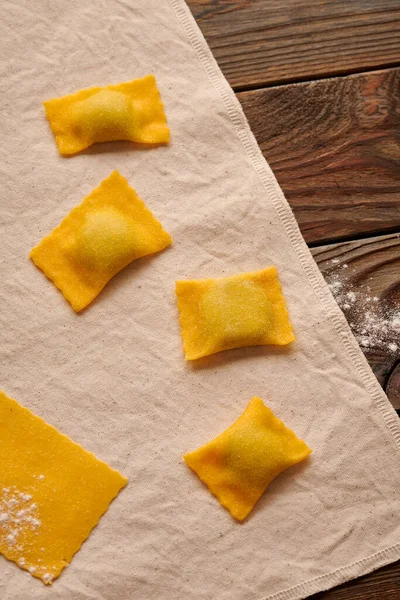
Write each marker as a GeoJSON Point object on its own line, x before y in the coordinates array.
{"type": "Point", "coordinates": [247, 309]}
{"type": "Point", "coordinates": [107, 231]}
{"type": "Point", "coordinates": [131, 111]}
{"type": "Point", "coordinates": [52, 492]}
{"type": "Point", "coordinates": [238, 465]}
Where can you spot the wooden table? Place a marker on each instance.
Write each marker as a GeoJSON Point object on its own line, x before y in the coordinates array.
{"type": "Point", "coordinates": [319, 81]}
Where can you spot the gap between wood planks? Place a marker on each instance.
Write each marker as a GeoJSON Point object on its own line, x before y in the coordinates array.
{"type": "Point", "coordinates": [355, 237]}
{"type": "Point", "coordinates": [310, 78]}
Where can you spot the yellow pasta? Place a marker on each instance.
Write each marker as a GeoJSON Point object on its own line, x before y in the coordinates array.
{"type": "Point", "coordinates": [107, 231]}
{"type": "Point", "coordinates": [242, 310]}
{"type": "Point", "coordinates": [131, 111]}
{"type": "Point", "coordinates": [238, 465]}
{"type": "Point", "coordinates": [52, 492]}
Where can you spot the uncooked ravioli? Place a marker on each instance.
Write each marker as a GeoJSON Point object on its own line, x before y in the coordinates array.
{"type": "Point", "coordinates": [238, 465]}
{"type": "Point", "coordinates": [247, 309]}
{"type": "Point", "coordinates": [110, 228]}
{"type": "Point", "coordinates": [131, 111]}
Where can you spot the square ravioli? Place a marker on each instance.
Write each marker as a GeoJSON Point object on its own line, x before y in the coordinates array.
{"type": "Point", "coordinates": [230, 312]}
{"type": "Point", "coordinates": [238, 465]}
{"type": "Point", "coordinates": [107, 231]}
{"type": "Point", "coordinates": [52, 492]}
{"type": "Point", "coordinates": [131, 111]}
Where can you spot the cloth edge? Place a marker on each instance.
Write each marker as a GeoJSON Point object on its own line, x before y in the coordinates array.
{"type": "Point", "coordinates": [321, 290]}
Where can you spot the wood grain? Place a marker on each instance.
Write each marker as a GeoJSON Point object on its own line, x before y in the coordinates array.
{"type": "Point", "coordinates": [369, 268]}
{"type": "Point", "coordinates": [334, 146]}
{"type": "Point", "coordinates": [264, 42]}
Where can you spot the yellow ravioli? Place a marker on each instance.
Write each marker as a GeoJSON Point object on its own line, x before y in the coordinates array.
{"type": "Point", "coordinates": [238, 465]}
{"type": "Point", "coordinates": [230, 312]}
{"type": "Point", "coordinates": [52, 492]}
{"type": "Point", "coordinates": [130, 111]}
{"type": "Point", "coordinates": [107, 231]}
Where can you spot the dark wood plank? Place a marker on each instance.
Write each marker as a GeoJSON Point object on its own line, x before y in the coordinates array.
{"type": "Point", "coordinates": [260, 42]}
{"type": "Point", "coordinates": [334, 146]}
{"type": "Point", "coordinates": [369, 268]}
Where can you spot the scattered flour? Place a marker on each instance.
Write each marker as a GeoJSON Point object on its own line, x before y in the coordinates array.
{"type": "Point", "coordinates": [18, 516]}
{"type": "Point", "coordinates": [374, 324]}
{"type": "Point", "coordinates": [395, 323]}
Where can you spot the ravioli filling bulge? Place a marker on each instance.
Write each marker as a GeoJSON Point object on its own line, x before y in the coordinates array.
{"type": "Point", "coordinates": [237, 310]}
{"type": "Point", "coordinates": [103, 117]}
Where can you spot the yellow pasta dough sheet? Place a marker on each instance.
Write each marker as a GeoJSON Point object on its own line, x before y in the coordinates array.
{"type": "Point", "coordinates": [131, 111]}
{"type": "Point", "coordinates": [247, 309]}
{"type": "Point", "coordinates": [110, 228]}
{"type": "Point", "coordinates": [238, 465]}
{"type": "Point", "coordinates": [52, 492]}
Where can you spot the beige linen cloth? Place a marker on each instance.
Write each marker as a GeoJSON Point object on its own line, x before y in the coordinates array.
{"type": "Point", "coordinates": [114, 378]}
